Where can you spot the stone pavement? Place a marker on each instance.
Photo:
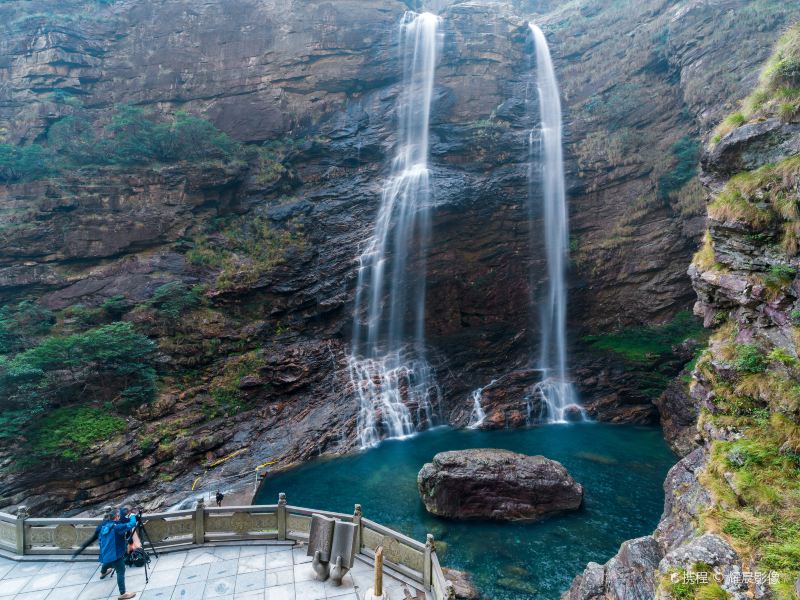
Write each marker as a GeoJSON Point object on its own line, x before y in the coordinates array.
{"type": "Point", "coordinates": [267, 571]}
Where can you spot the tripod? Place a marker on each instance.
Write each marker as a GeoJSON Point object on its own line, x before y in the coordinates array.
{"type": "Point", "coordinates": [144, 537]}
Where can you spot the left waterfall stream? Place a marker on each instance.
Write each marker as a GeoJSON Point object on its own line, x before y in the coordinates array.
{"type": "Point", "coordinates": [389, 373]}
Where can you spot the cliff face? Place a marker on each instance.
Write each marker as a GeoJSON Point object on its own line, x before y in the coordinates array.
{"type": "Point", "coordinates": [732, 502]}
{"type": "Point", "coordinates": [250, 357]}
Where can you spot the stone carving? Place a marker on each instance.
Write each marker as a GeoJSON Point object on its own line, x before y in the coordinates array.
{"type": "Point", "coordinates": [322, 568]}
{"type": "Point", "coordinates": [8, 534]}
{"type": "Point", "coordinates": [40, 536]}
{"type": "Point", "coordinates": [240, 522]}
{"type": "Point", "coordinates": [331, 541]}
{"type": "Point", "coordinates": [344, 540]}
{"type": "Point", "coordinates": [299, 523]}
{"type": "Point", "coordinates": [65, 536]}
{"type": "Point", "coordinates": [156, 529]}
{"type": "Point", "coordinates": [320, 537]}
{"type": "Point", "coordinates": [343, 551]}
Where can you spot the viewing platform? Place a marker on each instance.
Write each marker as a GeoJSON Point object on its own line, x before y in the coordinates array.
{"type": "Point", "coordinates": [228, 553]}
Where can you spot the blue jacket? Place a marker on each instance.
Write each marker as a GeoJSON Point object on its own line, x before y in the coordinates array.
{"type": "Point", "coordinates": [112, 539]}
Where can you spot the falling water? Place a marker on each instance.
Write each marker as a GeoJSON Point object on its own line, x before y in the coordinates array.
{"type": "Point", "coordinates": [394, 383]}
{"type": "Point", "coordinates": [555, 392]}
{"type": "Point", "coordinates": [477, 415]}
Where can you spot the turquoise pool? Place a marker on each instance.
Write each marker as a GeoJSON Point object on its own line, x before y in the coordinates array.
{"type": "Point", "coordinates": [622, 469]}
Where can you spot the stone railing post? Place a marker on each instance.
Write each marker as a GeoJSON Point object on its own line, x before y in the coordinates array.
{"type": "Point", "coordinates": [357, 522]}
{"type": "Point", "coordinates": [281, 513]}
{"type": "Point", "coordinates": [200, 521]}
{"type": "Point", "coordinates": [427, 565]}
{"type": "Point", "coordinates": [22, 514]}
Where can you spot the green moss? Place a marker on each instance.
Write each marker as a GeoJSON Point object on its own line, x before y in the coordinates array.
{"type": "Point", "coordinates": [69, 432]}
{"type": "Point", "coordinates": [685, 156]}
{"type": "Point", "coordinates": [647, 344]}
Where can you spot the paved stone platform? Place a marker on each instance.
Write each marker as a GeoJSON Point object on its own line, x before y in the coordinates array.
{"type": "Point", "coordinates": [225, 572]}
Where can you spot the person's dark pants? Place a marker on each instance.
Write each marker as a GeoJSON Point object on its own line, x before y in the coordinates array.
{"type": "Point", "coordinates": [119, 567]}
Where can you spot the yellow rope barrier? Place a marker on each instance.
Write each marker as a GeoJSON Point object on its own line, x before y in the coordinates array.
{"type": "Point", "coordinates": [226, 458]}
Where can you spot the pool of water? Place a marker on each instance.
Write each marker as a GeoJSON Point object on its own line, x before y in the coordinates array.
{"type": "Point", "coordinates": [622, 469]}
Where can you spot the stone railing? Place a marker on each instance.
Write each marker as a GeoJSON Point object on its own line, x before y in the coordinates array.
{"type": "Point", "coordinates": [23, 535]}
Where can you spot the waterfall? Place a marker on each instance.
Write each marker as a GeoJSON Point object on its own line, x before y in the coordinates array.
{"type": "Point", "coordinates": [394, 383]}
{"type": "Point", "coordinates": [477, 415]}
{"type": "Point", "coordinates": [555, 391]}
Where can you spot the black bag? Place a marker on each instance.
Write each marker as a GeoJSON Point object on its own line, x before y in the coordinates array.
{"type": "Point", "coordinates": [137, 558]}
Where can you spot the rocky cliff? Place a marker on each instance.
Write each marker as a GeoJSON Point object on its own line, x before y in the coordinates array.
{"type": "Point", "coordinates": [730, 523]}
{"type": "Point", "coordinates": [241, 268]}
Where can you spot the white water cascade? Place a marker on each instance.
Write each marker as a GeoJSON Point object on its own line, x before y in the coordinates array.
{"type": "Point", "coordinates": [393, 381]}
{"type": "Point", "coordinates": [477, 415]}
{"type": "Point", "coordinates": [555, 392]}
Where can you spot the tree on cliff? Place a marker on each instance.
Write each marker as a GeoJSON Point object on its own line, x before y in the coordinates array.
{"type": "Point", "coordinates": [107, 364]}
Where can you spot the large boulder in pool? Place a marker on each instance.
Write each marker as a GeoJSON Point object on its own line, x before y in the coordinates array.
{"type": "Point", "coordinates": [496, 484]}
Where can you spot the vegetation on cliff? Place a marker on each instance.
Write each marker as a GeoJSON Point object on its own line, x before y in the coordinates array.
{"type": "Point", "coordinates": [651, 352]}
{"type": "Point", "coordinates": [241, 251]}
{"type": "Point", "coordinates": [753, 471]}
{"type": "Point", "coordinates": [748, 379]}
{"type": "Point", "coordinates": [108, 366]}
{"type": "Point", "coordinates": [133, 136]}
{"type": "Point", "coordinates": [778, 92]}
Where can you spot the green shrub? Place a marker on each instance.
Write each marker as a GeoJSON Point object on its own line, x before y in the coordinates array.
{"type": "Point", "coordinates": [116, 306]}
{"type": "Point", "coordinates": [132, 137]}
{"type": "Point", "coordinates": [174, 298]}
{"type": "Point", "coordinates": [83, 316]}
{"type": "Point", "coordinates": [20, 325]}
{"type": "Point", "coordinates": [109, 363]}
{"type": "Point", "coordinates": [69, 432]}
{"type": "Point", "coordinates": [780, 355]}
{"type": "Point", "coordinates": [784, 273]}
{"type": "Point", "coordinates": [749, 359]}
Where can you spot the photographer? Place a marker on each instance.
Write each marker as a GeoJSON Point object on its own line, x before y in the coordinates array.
{"type": "Point", "coordinates": [113, 534]}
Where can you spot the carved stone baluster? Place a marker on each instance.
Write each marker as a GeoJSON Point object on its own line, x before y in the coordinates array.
{"type": "Point", "coordinates": [22, 514]}
{"type": "Point", "coordinates": [281, 516]}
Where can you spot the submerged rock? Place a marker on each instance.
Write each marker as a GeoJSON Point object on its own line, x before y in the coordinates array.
{"type": "Point", "coordinates": [496, 484]}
